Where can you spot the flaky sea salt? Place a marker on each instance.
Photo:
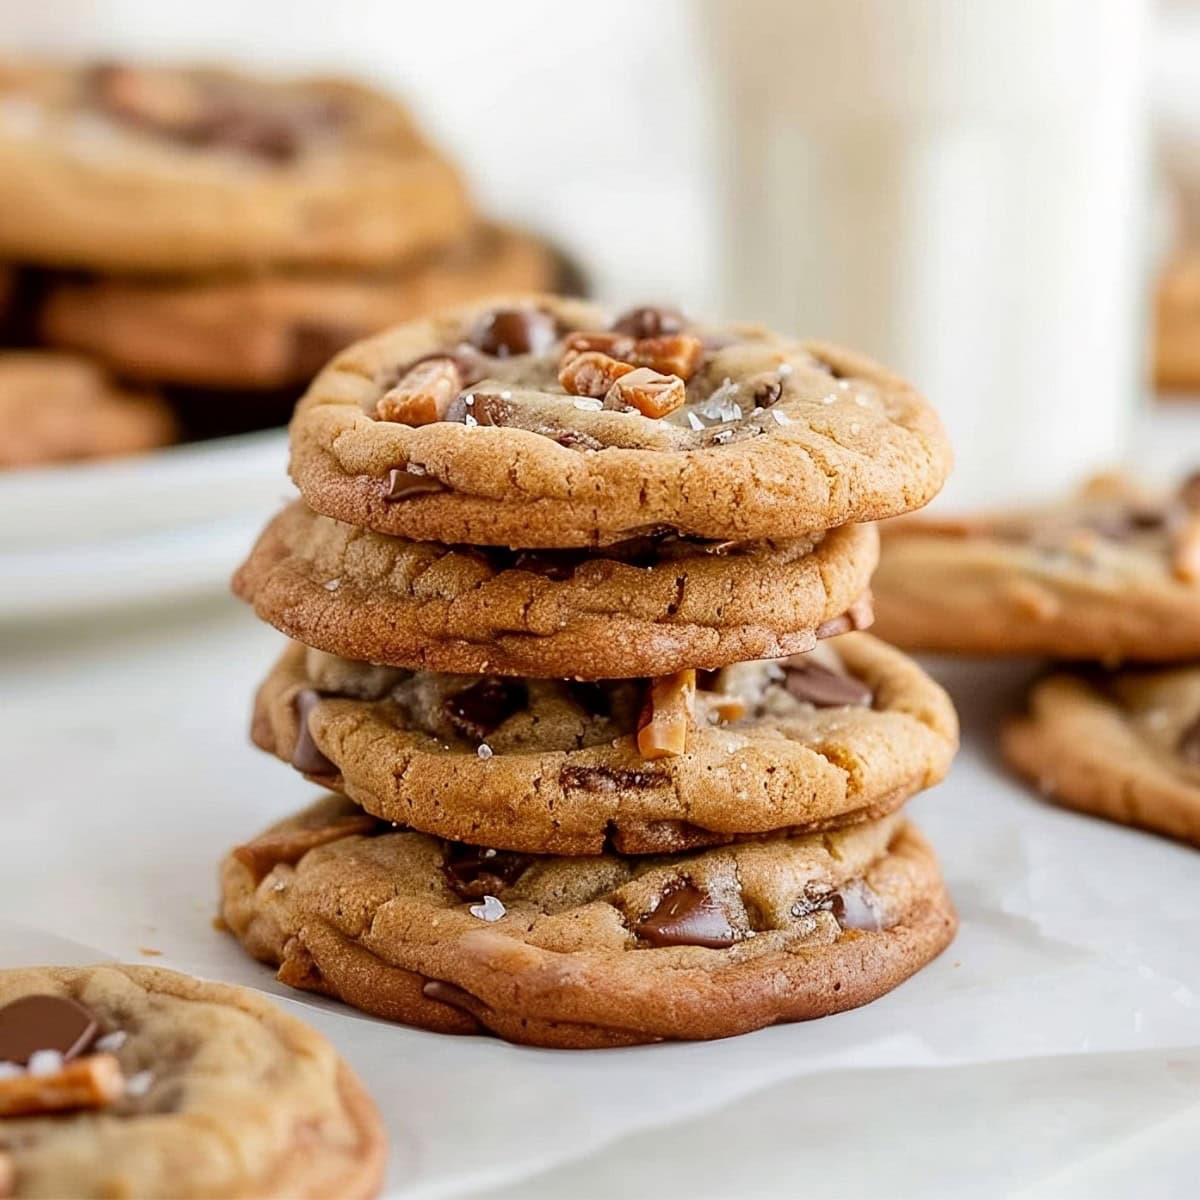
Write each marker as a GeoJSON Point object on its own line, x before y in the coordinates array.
{"type": "Point", "coordinates": [10, 1070]}
{"type": "Point", "coordinates": [490, 910]}
{"type": "Point", "coordinates": [694, 421]}
{"type": "Point", "coordinates": [484, 751]}
{"type": "Point", "coordinates": [139, 1084]}
{"type": "Point", "coordinates": [588, 404]}
{"type": "Point", "coordinates": [332, 585]}
{"type": "Point", "coordinates": [722, 405]}
{"type": "Point", "coordinates": [112, 1041]}
{"type": "Point", "coordinates": [45, 1062]}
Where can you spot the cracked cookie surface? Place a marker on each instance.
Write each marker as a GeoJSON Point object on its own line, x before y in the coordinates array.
{"type": "Point", "coordinates": [1122, 745]}
{"type": "Point", "coordinates": [543, 422]}
{"type": "Point", "coordinates": [842, 734]}
{"type": "Point", "coordinates": [649, 606]}
{"type": "Point", "coordinates": [274, 330]}
{"type": "Point", "coordinates": [116, 167]}
{"type": "Point", "coordinates": [225, 1095]}
{"type": "Point", "coordinates": [1111, 574]}
{"type": "Point", "coordinates": [600, 951]}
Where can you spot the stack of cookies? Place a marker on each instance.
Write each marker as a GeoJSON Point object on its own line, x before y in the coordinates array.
{"type": "Point", "coordinates": [575, 603]}
{"type": "Point", "coordinates": [214, 237]}
{"type": "Point", "coordinates": [1107, 580]}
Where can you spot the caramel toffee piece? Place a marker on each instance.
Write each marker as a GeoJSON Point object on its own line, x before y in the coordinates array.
{"type": "Point", "coordinates": [556, 766]}
{"type": "Point", "coordinates": [148, 1083]}
{"type": "Point", "coordinates": [598, 951]}
{"type": "Point", "coordinates": [1110, 574]}
{"type": "Point", "coordinates": [573, 426]}
{"type": "Point", "coordinates": [650, 605]}
{"type": "Point", "coordinates": [125, 168]}
{"type": "Point", "coordinates": [1123, 745]}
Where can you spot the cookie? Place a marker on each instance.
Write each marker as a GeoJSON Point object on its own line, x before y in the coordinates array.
{"type": "Point", "coordinates": [586, 952]}
{"type": "Point", "coordinates": [542, 422]}
{"type": "Point", "coordinates": [1111, 574]}
{"type": "Point", "coordinates": [1122, 745]}
{"type": "Point", "coordinates": [128, 168]}
{"type": "Point", "coordinates": [59, 408]}
{"type": "Point", "coordinates": [846, 733]}
{"type": "Point", "coordinates": [273, 330]}
{"type": "Point", "coordinates": [132, 1081]}
{"type": "Point", "coordinates": [1177, 327]}
{"type": "Point", "coordinates": [648, 606]}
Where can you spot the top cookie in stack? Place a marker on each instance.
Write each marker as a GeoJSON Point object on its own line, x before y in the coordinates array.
{"type": "Point", "coordinates": [220, 235]}
{"type": "Point", "coordinates": [573, 596]}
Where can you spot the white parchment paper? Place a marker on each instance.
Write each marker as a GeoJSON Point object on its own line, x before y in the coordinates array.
{"type": "Point", "coordinates": [1054, 1050]}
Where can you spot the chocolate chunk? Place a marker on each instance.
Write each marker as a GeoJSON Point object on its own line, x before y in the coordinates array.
{"type": "Point", "coordinates": [591, 697]}
{"type": "Point", "coordinates": [306, 756]}
{"type": "Point", "coordinates": [314, 344]}
{"type": "Point", "coordinates": [477, 871]}
{"type": "Point", "coordinates": [480, 408]}
{"type": "Point", "coordinates": [768, 393]}
{"type": "Point", "coordinates": [451, 994]}
{"type": "Point", "coordinates": [856, 906]}
{"type": "Point", "coordinates": [611, 779]}
{"type": "Point", "coordinates": [687, 916]}
{"type": "Point", "coordinates": [510, 331]}
{"type": "Point", "coordinates": [289, 846]}
{"type": "Point", "coordinates": [402, 484]}
{"type": "Point", "coordinates": [823, 688]}
{"type": "Point", "coordinates": [649, 322]}
{"type": "Point", "coordinates": [484, 706]}
{"type": "Point", "coordinates": [45, 1022]}
{"type": "Point", "coordinates": [1188, 746]}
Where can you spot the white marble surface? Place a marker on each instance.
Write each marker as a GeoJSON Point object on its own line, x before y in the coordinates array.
{"type": "Point", "coordinates": [1053, 1051]}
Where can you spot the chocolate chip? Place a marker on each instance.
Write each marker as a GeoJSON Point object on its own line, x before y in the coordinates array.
{"type": "Point", "coordinates": [45, 1022]}
{"type": "Point", "coordinates": [1188, 746]}
{"type": "Point", "coordinates": [313, 344]}
{"type": "Point", "coordinates": [402, 484]}
{"type": "Point", "coordinates": [687, 916]}
{"type": "Point", "coordinates": [306, 756]}
{"type": "Point", "coordinates": [509, 331]}
{"type": "Point", "coordinates": [477, 871]}
{"type": "Point", "coordinates": [649, 321]}
{"type": "Point", "coordinates": [481, 408]}
{"type": "Point", "coordinates": [484, 706]}
{"type": "Point", "coordinates": [823, 688]}
{"type": "Point", "coordinates": [611, 779]}
{"type": "Point", "coordinates": [591, 697]}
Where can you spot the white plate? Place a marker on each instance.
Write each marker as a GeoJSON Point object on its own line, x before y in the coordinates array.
{"type": "Point", "coordinates": [152, 528]}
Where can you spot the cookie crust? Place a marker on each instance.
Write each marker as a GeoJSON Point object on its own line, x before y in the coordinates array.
{"type": "Point", "coordinates": [559, 792]}
{"type": "Point", "coordinates": [372, 921]}
{"type": "Point", "coordinates": [1108, 746]}
{"type": "Point", "coordinates": [82, 187]}
{"type": "Point", "coordinates": [256, 1104]}
{"type": "Point", "coordinates": [276, 330]}
{"type": "Point", "coordinates": [844, 440]}
{"type": "Point", "coordinates": [658, 608]}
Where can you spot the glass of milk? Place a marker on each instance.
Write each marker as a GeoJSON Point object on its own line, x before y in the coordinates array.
{"type": "Point", "coordinates": [956, 187]}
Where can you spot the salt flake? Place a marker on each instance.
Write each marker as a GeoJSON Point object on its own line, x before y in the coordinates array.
{"type": "Point", "coordinates": [490, 910]}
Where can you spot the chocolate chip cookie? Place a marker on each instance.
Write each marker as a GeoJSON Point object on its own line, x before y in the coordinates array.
{"type": "Point", "coordinates": [586, 952]}
{"type": "Point", "coordinates": [117, 167]}
{"type": "Point", "coordinates": [274, 330]}
{"type": "Point", "coordinates": [1123, 745]}
{"type": "Point", "coordinates": [1111, 574]}
{"type": "Point", "coordinates": [135, 1082]}
{"type": "Point", "coordinates": [845, 733]}
{"type": "Point", "coordinates": [646, 606]}
{"type": "Point", "coordinates": [60, 408]}
{"type": "Point", "coordinates": [543, 422]}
